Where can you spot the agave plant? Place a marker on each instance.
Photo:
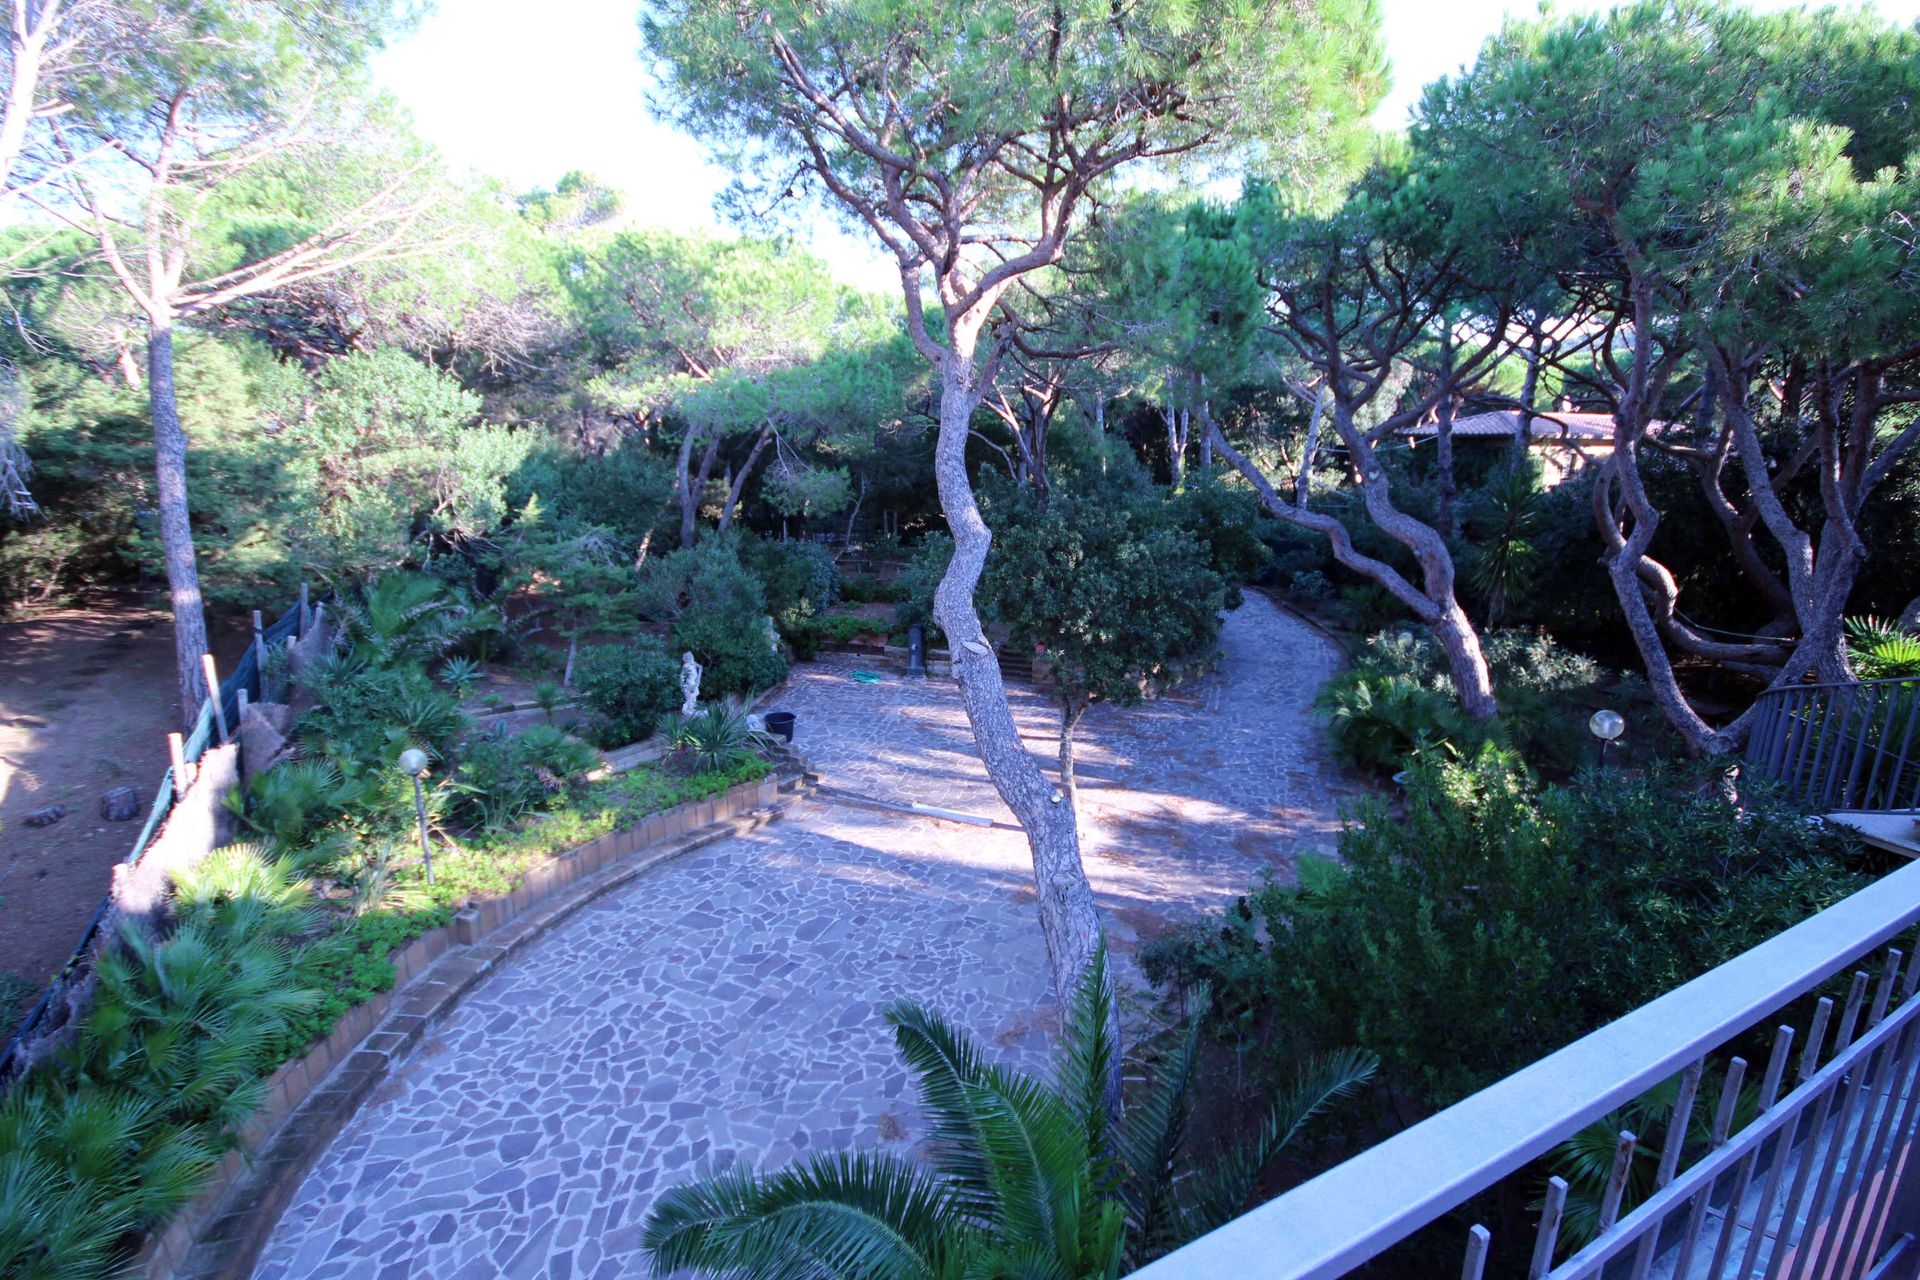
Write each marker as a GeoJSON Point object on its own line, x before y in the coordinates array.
{"type": "Point", "coordinates": [1028, 1177]}
{"type": "Point", "coordinates": [460, 675]}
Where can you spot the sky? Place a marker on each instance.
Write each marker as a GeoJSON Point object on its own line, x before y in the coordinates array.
{"type": "Point", "coordinates": [526, 92]}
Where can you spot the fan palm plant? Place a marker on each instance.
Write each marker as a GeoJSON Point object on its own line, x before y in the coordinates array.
{"type": "Point", "coordinates": [1028, 1177]}
{"type": "Point", "coordinates": [1881, 650]}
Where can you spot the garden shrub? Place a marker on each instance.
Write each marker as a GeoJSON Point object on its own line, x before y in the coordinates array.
{"type": "Point", "coordinates": [799, 579]}
{"type": "Point", "coordinates": [628, 687]}
{"type": "Point", "coordinates": [502, 778]}
{"type": "Point", "coordinates": [1224, 517]}
{"type": "Point", "coordinates": [871, 589]}
{"type": "Point", "coordinates": [736, 654]}
{"type": "Point", "coordinates": [1496, 920]}
{"type": "Point", "coordinates": [1398, 698]}
{"type": "Point", "coordinates": [918, 581]}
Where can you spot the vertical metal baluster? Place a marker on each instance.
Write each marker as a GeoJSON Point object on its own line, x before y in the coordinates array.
{"type": "Point", "coordinates": [1802, 1179]}
{"type": "Point", "coordinates": [1669, 1161]}
{"type": "Point", "coordinates": [1475, 1266]}
{"type": "Point", "coordinates": [1912, 980]}
{"type": "Point", "coordinates": [1883, 994]}
{"type": "Point", "coordinates": [1880, 748]}
{"type": "Point", "coordinates": [1846, 701]}
{"type": "Point", "coordinates": [1816, 1036]}
{"type": "Point", "coordinates": [1776, 1174]}
{"type": "Point", "coordinates": [1769, 1089]}
{"type": "Point", "coordinates": [1824, 1202]}
{"type": "Point", "coordinates": [1905, 1084]}
{"type": "Point", "coordinates": [1906, 740]}
{"type": "Point", "coordinates": [1850, 1202]}
{"type": "Point", "coordinates": [1729, 1100]}
{"type": "Point", "coordinates": [1847, 792]}
{"type": "Point", "coordinates": [1811, 790]}
{"type": "Point", "coordinates": [1835, 1208]}
{"type": "Point", "coordinates": [1856, 996]}
{"type": "Point", "coordinates": [1549, 1228]}
{"type": "Point", "coordinates": [1617, 1181]}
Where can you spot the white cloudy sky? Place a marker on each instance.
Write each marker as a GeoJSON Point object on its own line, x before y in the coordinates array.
{"type": "Point", "coordinates": [527, 92]}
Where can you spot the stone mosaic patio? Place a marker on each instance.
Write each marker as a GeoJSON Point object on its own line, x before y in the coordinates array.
{"type": "Point", "coordinates": [727, 1006]}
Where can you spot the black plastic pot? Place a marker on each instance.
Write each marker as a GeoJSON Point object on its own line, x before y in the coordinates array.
{"type": "Point", "coordinates": [780, 724]}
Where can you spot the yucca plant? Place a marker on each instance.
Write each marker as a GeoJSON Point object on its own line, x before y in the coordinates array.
{"type": "Point", "coordinates": [716, 739]}
{"type": "Point", "coordinates": [1027, 1177]}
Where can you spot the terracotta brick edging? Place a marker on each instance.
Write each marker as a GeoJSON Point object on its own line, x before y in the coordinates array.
{"type": "Point", "coordinates": [221, 1232]}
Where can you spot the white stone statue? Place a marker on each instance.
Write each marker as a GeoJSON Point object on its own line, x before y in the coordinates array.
{"type": "Point", "coordinates": [689, 685]}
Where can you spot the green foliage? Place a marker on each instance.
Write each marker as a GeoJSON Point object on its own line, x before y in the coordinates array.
{"type": "Point", "coordinates": [1880, 650]}
{"type": "Point", "coordinates": [1027, 1176]}
{"type": "Point", "coordinates": [503, 778]}
{"type": "Point", "coordinates": [629, 687]}
{"type": "Point", "coordinates": [718, 612]}
{"type": "Point", "coordinates": [1398, 700]}
{"type": "Point", "coordinates": [1116, 593]}
{"type": "Point", "coordinates": [1458, 912]}
{"type": "Point", "coordinates": [920, 579]}
{"type": "Point", "coordinates": [1225, 518]}
{"type": "Point", "coordinates": [869, 589]}
{"type": "Point", "coordinates": [385, 452]}
{"type": "Point", "coordinates": [799, 579]}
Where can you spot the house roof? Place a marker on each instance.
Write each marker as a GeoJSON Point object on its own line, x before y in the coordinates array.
{"type": "Point", "coordinates": [1550, 426]}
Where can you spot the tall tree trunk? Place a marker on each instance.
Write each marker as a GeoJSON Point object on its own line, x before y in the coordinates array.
{"type": "Point", "coordinates": [1443, 442]}
{"type": "Point", "coordinates": [1069, 922]}
{"type": "Point", "coordinates": [740, 479]}
{"type": "Point", "coordinates": [1178, 424]}
{"type": "Point", "coordinates": [1206, 436]}
{"type": "Point", "coordinates": [1069, 721]}
{"type": "Point", "coordinates": [691, 486]}
{"type": "Point", "coordinates": [176, 527]}
{"type": "Point", "coordinates": [1529, 387]}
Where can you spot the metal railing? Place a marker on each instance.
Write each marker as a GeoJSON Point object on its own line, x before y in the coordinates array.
{"type": "Point", "coordinates": [1841, 746]}
{"type": "Point", "coordinates": [1812, 1187]}
{"type": "Point", "coordinates": [244, 682]}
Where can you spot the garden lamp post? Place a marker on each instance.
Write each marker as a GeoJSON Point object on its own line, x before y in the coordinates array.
{"type": "Point", "coordinates": [413, 763]}
{"type": "Point", "coordinates": [1606, 725]}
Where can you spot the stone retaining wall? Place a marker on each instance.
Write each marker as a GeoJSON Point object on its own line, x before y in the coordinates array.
{"type": "Point", "coordinates": [220, 1234]}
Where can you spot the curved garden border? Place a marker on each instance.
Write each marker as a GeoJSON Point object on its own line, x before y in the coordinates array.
{"type": "Point", "coordinates": [220, 1235]}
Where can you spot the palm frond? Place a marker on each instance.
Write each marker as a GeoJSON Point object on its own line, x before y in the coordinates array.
{"type": "Point", "coordinates": [1155, 1131]}
{"type": "Point", "coordinates": [842, 1215]}
{"type": "Point", "coordinates": [946, 1063]}
{"type": "Point", "coordinates": [1321, 1082]}
{"type": "Point", "coordinates": [1035, 1152]}
{"type": "Point", "coordinates": [1084, 1072]}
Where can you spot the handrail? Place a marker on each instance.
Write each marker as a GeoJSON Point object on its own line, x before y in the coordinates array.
{"type": "Point", "coordinates": [1839, 747]}
{"type": "Point", "coordinates": [1333, 1223]}
{"type": "Point", "coordinates": [1780, 690]}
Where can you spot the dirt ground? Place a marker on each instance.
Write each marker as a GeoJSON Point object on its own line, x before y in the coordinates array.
{"type": "Point", "coordinates": [86, 701]}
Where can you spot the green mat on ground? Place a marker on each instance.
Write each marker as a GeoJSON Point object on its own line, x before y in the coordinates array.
{"type": "Point", "coordinates": [867, 677]}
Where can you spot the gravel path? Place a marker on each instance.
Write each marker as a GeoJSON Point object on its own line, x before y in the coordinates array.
{"type": "Point", "coordinates": [728, 1005]}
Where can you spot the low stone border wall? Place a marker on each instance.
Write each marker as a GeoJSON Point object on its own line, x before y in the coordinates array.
{"type": "Point", "coordinates": [221, 1233]}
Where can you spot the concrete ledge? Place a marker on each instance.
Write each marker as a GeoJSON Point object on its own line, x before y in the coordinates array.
{"type": "Point", "coordinates": [306, 1102]}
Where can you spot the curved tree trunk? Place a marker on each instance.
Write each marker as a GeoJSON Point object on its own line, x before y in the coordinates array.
{"type": "Point", "coordinates": [1069, 922]}
{"type": "Point", "coordinates": [176, 528]}
{"type": "Point", "coordinates": [740, 479]}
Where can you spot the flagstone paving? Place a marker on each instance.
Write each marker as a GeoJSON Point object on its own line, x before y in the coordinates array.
{"type": "Point", "coordinates": [727, 1006]}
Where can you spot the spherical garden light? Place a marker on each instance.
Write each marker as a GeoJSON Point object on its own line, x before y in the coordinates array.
{"type": "Point", "coordinates": [413, 763]}
{"type": "Point", "coordinates": [1606, 725]}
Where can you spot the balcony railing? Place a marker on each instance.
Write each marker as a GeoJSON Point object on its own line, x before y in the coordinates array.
{"type": "Point", "coordinates": [1811, 1188]}
{"type": "Point", "coordinates": [1841, 746]}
